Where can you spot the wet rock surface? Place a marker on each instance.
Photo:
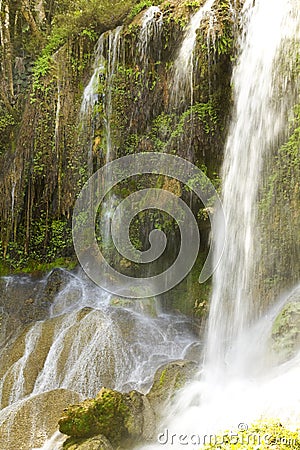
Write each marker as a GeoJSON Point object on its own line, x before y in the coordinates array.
{"type": "Point", "coordinates": [26, 424]}
{"type": "Point", "coordinates": [124, 419]}
{"type": "Point", "coordinates": [286, 328]}
{"type": "Point", "coordinates": [25, 299]}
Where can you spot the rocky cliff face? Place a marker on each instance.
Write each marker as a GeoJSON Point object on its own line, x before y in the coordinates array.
{"type": "Point", "coordinates": [142, 104]}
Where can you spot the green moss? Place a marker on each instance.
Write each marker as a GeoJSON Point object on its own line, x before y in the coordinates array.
{"type": "Point", "coordinates": [106, 415]}
{"type": "Point", "coordinates": [36, 267]}
{"type": "Point", "coordinates": [279, 210]}
{"type": "Point", "coordinates": [140, 6]}
{"type": "Point", "coordinates": [168, 379]}
{"type": "Point", "coordinates": [162, 377]}
{"type": "Point", "coordinates": [206, 112]}
{"type": "Point", "coordinates": [286, 331]}
{"type": "Point", "coordinates": [262, 435]}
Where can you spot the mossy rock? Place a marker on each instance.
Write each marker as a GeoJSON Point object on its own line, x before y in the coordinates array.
{"type": "Point", "coordinates": [286, 331]}
{"type": "Point", "coordinates": [262, 435]}
{"type": "Point", "coordinates": [105, 414]}
{"type": "Point", "coordinates": [94, 443]}
{"type": "Point", "coordinates": [168, 379]}
{"type": "Point", "coordinates": [117, 419]}
{"type": "Point", "coordinates": [116, 416]}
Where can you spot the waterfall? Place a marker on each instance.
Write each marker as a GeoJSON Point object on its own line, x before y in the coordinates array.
{"type": "Point", "coordinates": [88, 340]}
{"type": "Point", "coordinates": [98, 95]}
{"type": "Point", "coordinates": [239, 381]}
{"type": "Point", "coordinates": [182, 79]}
{"type": "Point", "coordinates": [99, 92]}
{"type": "Point", "coordinates": [150, 31]}
{"type": "Point", "coordinates": [258, 122]}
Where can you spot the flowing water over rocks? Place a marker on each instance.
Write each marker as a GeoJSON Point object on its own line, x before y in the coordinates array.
{"type": "Point", "coordinates": [183, 80]}
{"type": "Point", "coordinates": [64, 338]}
{"type": "Point", "coordinates": [85, 340]}
{"type": "Point", "coordinates": [241, 379]}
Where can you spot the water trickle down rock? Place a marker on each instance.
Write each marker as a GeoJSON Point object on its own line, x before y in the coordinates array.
{"type": "Point", "coordinates": [150, 33]}
{"type": "Point", "coordinates": [286, 328]}
{"type": "Point", "coordinates": [183, 77]}
{"type": "Point", "coordinates": [29, 422]}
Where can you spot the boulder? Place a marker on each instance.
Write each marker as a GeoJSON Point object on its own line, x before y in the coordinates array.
{"type": "Point", "coordinates": [167, 380]}
{"type": "Point", "coordinates": [25, 299]}
{"type": "Point", "coordinates": [55, 281]}
{"type": "Point", "coordinates": [94, 443]}
{"type": "Point", "coordinates": [124, 418]}
{"type": "Point", "coordinates": [117, 416]}
{"type": "Point", "coordinates": [286, 331]}
{"type": "Point", "coordinates": [30, 422]}
{"type": "Point", "coordinates": [19, 373]}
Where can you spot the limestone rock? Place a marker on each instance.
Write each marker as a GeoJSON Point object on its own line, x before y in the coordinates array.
{"type": "Point", "coordinates": [28, 423]}
{"type": "Point", "coordinates": [112, 414]}
{"type": "Point", "coordinates": [94, 443]}
{"type": "Point", "coordinates": [286, 330]}
{"type": "Point", "coordinates": [124, 419]}
{"type": "Point", "coordinates": [168, 379]}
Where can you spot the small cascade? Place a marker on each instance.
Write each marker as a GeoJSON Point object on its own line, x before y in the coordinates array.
{"type": "Point", "coordinates": [98, 95]}
{"type": "Point", "coordinates": [13, 188]}
{"type": "Point", "coordinates": [16, 373]}
{"type": "Point", "coordinates": [57, 116]}
{"type": "Point", "coordinates": [88, 340]}
{"type": "Point", "coordinates": [99, 92]}
{"type": "Point", "coordinates": [183, 78]}
{"type": "Point", "coordinates": [151, 30]}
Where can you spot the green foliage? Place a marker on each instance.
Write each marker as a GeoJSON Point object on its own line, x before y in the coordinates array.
{"type": "Point", "coordinates": [279, 210]}
{"type": "Point", "coordinates": [262, 435]}
{"type": "Point", "coordinates": [140, 6]}
{"type": "Point", "coordinates": [161, 131]}
{"type": "Point", "coordinates": [92, 15]}
{"type": "Point", "coordinates": [6, 120]}
{"type": "Point", "coordinates": [192, 4]}
{"type": "Point", "coordinates": [61, 238]}
{"type": "Point", "coordinates": [131, 144]}
{"type": "Point", "coordinates": [42, 65]}
{"type": "Point", "coordinates": [206, 112]}
{"type": "Point", "coordinates": [223, 44]}
{"type": "Point", "coordinates": [286, 331]}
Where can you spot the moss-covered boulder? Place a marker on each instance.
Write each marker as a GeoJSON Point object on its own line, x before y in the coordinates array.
{"type": "Point", "coordinates": [167, 380]}
{"type": "Point", "coordinates": [286, 331]}
{"type": "Point", "coordinates": [94, 443]}
{"type": "Point", "coordinates": [265, 434]}
{"type": "Point", "coordinates": [123, 419]}
{"type": "Point", "coordinates": [116, 416]}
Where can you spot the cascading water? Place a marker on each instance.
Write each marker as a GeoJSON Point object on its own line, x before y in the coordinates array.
{"type": "Point", "coordinates": [87, 341]}
{"type": "Point", "coordinates": [107, 55]}
{"type": "Point", "coordinates": [258, 122]}
{"type": "Point", "coordinates": [182, 79]}
{"type": "Point", "coordinates": [150, 31]}
{"type": "Point", "coordinates": [98, 93]}
{"type": "Point", "coordinates": [239, 382]}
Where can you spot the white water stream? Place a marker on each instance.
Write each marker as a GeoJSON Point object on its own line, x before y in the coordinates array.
{"type": "Point", "coordinates": [88, 341]}
{"type": "Point", "coordinates": [150, 32]}
{"type": "Point", "coordinates": [183, 77]}
{"type": "Point", "coordinates": [91, 339]}
{"type": "Point", "coordinates": [240, 382]}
